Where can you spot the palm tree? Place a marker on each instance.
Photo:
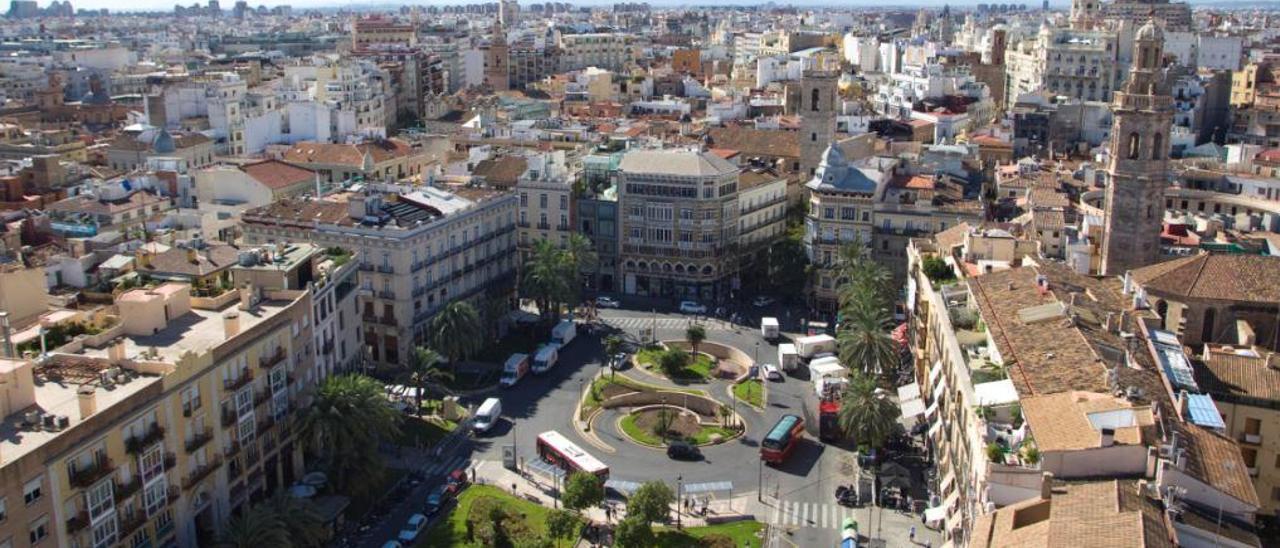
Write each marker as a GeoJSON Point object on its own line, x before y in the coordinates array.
{"type": "Point", "coordinates": [424, 371]}
{"type": "Point", "coordinates": [305, 527]}
{"type": "Point", "coordinates": [866, 413]}
{"type": "Point", "coordinates": [579, 256]}
{"type": "Point", "coordinates": [612, 345]}
{"type": "Point", "coordinates": [545, 280]}
{"type": "Point", "coordinates": [695, 334]}
{"type": "Point", "coordinates": [254, 529]}
{"type": "Point", "coordinates": [347, 418]}
{"type": "Point", "coordinates": [455, 331]}
{"type": "Point", "coordinates": [864, 339]}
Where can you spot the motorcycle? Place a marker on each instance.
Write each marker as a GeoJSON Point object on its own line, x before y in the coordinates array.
{"type": "Point", "coordinates": [846, 495]}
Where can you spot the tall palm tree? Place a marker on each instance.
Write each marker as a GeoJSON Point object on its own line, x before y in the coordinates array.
{"type": "Point", "coordinates": [866, 413]}
{"type": "Point", "coordinates": [579, 256]}
{"type": "Point", "coordinates": [254, 528]}
{"type": "Point", "coordinates": [545, 279]}
{"type": "Point", "coordinates": [305, 527]}
{"type": "Point", "coordinates": [455, 332]}
{"type": "Point", "coordinates": [347, 418]}
{"type": "Point", "coordinates": [424, 371]}
{"type": "Point", "coordinates": [864, 340]}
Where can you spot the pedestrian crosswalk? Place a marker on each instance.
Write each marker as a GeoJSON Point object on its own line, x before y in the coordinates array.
{"type": "Point", "coordinates": [809, 514]}
{"type": "Point", "coordinates": [637, 323]}
{"type": "Point", "coordinates": [443, 466]}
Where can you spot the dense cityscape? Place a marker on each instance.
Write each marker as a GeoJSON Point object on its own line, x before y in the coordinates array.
{"type": "Point", "coordinates": [634, 275]}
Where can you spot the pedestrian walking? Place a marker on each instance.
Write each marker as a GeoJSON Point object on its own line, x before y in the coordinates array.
{"type": "Point", "coordinates": [912, 535]}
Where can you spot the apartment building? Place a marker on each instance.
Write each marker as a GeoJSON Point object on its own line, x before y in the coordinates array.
{"type": "Point", "coordinates": [418, 248]}
{"type": "Point", "coordinates": [679, 217]}
{"type": "Point", "coordinates": [1042, 375]}
{"type": "Point", "coordinates": [842, 197]}
{"type": "Point", "coordinates": [546, 202]}
{"type": "Point", "coordinates": [762, 208]}
{"type": "Point", "coordinates": [610, 51]}
{"type": "Point", "coordinates": [184, 413]}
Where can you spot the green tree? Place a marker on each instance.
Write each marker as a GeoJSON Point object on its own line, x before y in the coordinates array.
{"type": "Point", "coordinates": [255, 528]}
{"type": "Point", "coordinates": [453, 332]}
{"type": "Point", "coordinates": [544, 278]}
{"type": "Point", "coordinates": [936, 269]}
{"type": "Point", "coordinates": [424, 372]}
{"type": "Point", "coordinates": [663, 424]}
{"type": "Point", "coordinates": [582, 490]}
{"type": "Point", "coordinates": [673, 361]}
{"type": "Point", "coordinates": [867, 414]}
{"type": "Point", "coordinates": [651, 502]}
{"type": "Point", "coordinates": [347, 418]}
{"type": "Point", "coordinates": [864, 340]}
{"type": "Point", "coordinates": [633, 532]}
{"type": "Point", "coordinates": [562, 524]}
{"type": "Point", "coordinates": [612, 345]}
{"type": "Point", "coordinates": [306, 528]}
{"type": "Point", "coordinates": [695, 334]}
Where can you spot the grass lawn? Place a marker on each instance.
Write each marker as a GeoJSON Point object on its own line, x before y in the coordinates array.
{"type": "Point", "coordinates": [725, 535]}
{"type": "Point", "coordinates": [521, 517]}
{"type": "Point", "coordinates": [591, 402]}
{"type": "Point", "coordinates": [751, 392]}
{"type": "Point", "coordinates": [641, 435]}
{"type": "Point", "coordinates": [423, 432]}
{"type": "Point", "coordinates": [697, 370]}
{"type": "Point", "coordinates": [704, 435]}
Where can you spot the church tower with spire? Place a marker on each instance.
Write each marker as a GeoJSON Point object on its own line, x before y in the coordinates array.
{"type": "Point", "coordinates": [496, 58]}
{"type": "Point", "coordinates": [1137, 171]}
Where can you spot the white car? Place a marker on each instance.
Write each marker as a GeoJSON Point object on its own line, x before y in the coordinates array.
{"type": "Point", "coordinates": [771, 372]}
{"type": "Point", "coordinates": [762, 301]}
{"type": "Point", "coordinates": [393, 544]}
{"type": "Point", "coordinates": [607, 302]}
{"type": "Point", "coordinates": [692, 307]}
{"type": "Point", "coordinates": [416, 524]}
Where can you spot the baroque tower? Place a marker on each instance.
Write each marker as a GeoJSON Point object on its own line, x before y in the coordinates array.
{"type": "Point", "coordinates": [495, 60]}
{"type": "Point", "coordinates": [1137, 171]}
{"type": "Point", "coordinates": [1084, 13]}
{"type": "Point", "coordinates": [817, 106]}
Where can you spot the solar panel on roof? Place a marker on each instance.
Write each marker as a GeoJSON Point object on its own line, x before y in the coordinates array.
{"type": "Point", "coordinates": [1204, 412]}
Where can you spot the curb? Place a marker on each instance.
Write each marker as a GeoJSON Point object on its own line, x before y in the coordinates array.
{"type": "Point", "coordinates": [764, 395]}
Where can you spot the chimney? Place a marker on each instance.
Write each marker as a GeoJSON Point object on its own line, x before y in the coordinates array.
{"type": "Point", "coordinates": [1184, 405]}
{"type": "Point", "coordinates": [88, 397]}
{"type": "Point", "coordinates": [1113, 323]}
{"type": "Point", "coordinates": [1046, 485]}
{"type": "Point", "coordinates": [231, 323]}
{"type": "Point", "coordinates": [115, 352]}
{"type": "Point", "coordinates": [1108, 437]}
{"type": "Point", "coordinates": [246, 297]}
{"type": "Point", "coordinates": [192, 257]}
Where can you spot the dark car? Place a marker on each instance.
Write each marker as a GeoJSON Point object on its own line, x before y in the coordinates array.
{"type": "Point", "coordinates": [436, 500]}
{"type": "Point", "coordinates": [683, 451]}
{"type": "Point", "coordinates": [456, 482]}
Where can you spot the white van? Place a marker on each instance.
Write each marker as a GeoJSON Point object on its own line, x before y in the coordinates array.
{"type": "Point", "coordinates": [489, 414]}
{"type": "Point", "coordinates": [546, 358]}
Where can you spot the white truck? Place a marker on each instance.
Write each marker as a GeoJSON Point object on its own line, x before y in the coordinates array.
{"type": "Point", "coordinates": [564, 332]}
{"type": "Point", "coordinates": [769, 328]}
{"type": "Point", "coordinates": [490, 413]}
{"type": "Point", "coordinates": [788, 359]}
{"type": "Point", "coordinates": [827, 374]}
{"type": "Point", "coordinates": [808, 347]}
{"type": "Point", "coordinates": [546, 358]}
{"type": "Point", "coordinates": [514, 370]}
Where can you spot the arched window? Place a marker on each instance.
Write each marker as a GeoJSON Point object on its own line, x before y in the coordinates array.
{"type": "Point", "coordinates": [1135, 141]}
{"type": "Point", "coordinates": [1157, 146]}
{"type": "Point", "coordinates": [813, 100]}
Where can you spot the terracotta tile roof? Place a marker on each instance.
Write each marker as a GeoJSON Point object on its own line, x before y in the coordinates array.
{"type": "Point", "coordinates": [344, 154]}
{"type": "Point", "coordinates": [1093, 513]}
{"type": "Point", "coordinates": [1042, 196]}
{"type": "Point", "coordinates": [502, 171]}
{"type": "Point", "coordinates": [278, 175]}
{"type": "Point", "coordinates": [1216, 460]}
{"type": "Point", "coordinates": [1240, 375]}
{"type": "Point", "coordinates": [176, 261]}
{"type": "Point", "coordinates": [1227, 277]}
{"type": "Point", "coordinates": [85, 203]}
{"type": "Point", "coordinates": [1061, 422]}
{"type": "Point", "coordinates": [757, 142]}
{"type": "Point", "coordinates": [305, 213]}
{"type": "Point", "coordinates": [951, 237]}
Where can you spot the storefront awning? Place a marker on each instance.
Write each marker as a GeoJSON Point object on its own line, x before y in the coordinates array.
{"type": "Point", "coordinates": [934, 516]}
{"type": "Point", "coordinates": [912, 408]}
{"type": "Point", "coordinates": [908, 392]}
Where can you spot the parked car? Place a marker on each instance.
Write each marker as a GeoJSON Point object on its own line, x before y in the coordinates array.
{"type": "Point", "coordinates": [607, 302]}
{"type": "Point", "coordinates": [692, 307]}
{"type": "Point", "coordinates": [762, 301]}
{"type": "Point", "coordinates": [392, 544]}
{"type": "Point", "coordinates": [457, 481]}
{"type": "Point", "coordinates": [416, 524]}
{"type": "Point", "coordinates": [683, 451]}
{"type": "Point", "coordinates": [619, 361]}
{"type": "Point", "coordinates": [770, 372]}
{"type": "Point", "coordinates": [435, 501]}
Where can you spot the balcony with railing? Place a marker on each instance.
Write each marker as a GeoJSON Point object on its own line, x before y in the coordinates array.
{"type": "Point", "coordinates": [89, 475]}
{"type": "Point", "coordinates": [245, 377]}
{"type": "Point", "coordinates": [272, 359]}
{"type": "Point", "coordinates": [261, 397]}
{"type": "Point", "coordinates": [366, 267]}
{"type": "Point", "coordinates": [126, 490]}
{"type": "Point", "coordinates": [199, 439]}
{"type": "Point", "coordinates": [129, 524]}
{"type": "Point", "coordinates": [135, 444]}
{"type": "Point", "coordinates": [387, 294]}
{"type": "Point", "coordinates": [78, 522]}
{"type": "Point", "coordinates": [386, 269]}
{"type": "Point", "coordinates": [229, 418]}
{"type": "Point", "coordinates": [232, 450]}
{"type": "Point", "coordinates": [388, 321]}
{"type": "Point", "coordinates": [199, 474]}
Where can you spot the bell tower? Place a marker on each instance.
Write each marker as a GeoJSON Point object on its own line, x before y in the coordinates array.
{"type": "Point", "coordinates": [496, 59]}
{"type": "Point", "coordinates": [817, 108]}
{"type": "Point", "coordinates": [1137, 171]}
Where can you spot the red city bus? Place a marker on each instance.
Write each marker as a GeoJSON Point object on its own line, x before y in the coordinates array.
{"type": "Point", "coordinates": [556, 449]}
{"type": "Point", "coordinates": [782, 439]}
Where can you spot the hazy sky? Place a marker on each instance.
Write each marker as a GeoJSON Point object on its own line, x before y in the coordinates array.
{"type": "Point", "coordinates": [153, 5]}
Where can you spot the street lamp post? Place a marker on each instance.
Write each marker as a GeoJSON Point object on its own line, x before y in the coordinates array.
{"type": "Point", "coordinates": [679, 498]}
{"type": "Point", "coordinates": [760, 483]}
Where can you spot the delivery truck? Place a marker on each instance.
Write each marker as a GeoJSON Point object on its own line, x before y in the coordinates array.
{"type": "Point", "coordinates": [564, 332]}
{"type": "Point", "coordinates": [827, 376]}
{"type": "Point", "coordinates": [788, 359]}
{"type": "Point", "coordinates": [514, 370]}
{"type": "Point", "coordinates": [769, 328]}
{"type": "Point", "coordinates": [546, 358]}
{"type": "Point", "coordinates": [808, 347]}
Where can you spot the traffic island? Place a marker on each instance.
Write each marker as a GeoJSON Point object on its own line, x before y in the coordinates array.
{"type": "Point", "coordinates": [676, 361]}
{"type": "Point", "coordinates": [658, 425]}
